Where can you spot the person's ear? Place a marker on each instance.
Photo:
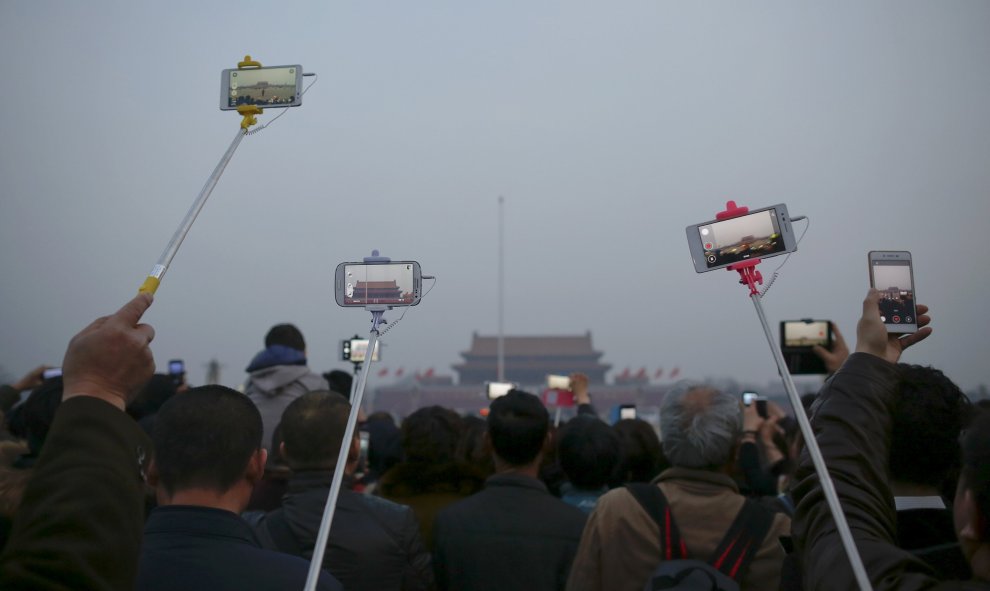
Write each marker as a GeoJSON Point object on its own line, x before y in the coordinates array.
{"type": "Point", "coordinates": [355, 452]}
{"type": "Point", "coordinates": [256, 465]}
{"type": "Point", "coordinates": [152, 475]}
{"type": "Point", "coordinates": [969, 519]}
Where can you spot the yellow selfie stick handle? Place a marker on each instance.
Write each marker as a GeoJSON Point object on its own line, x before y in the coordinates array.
{"type": "Point", "coordinates": [248, 119]}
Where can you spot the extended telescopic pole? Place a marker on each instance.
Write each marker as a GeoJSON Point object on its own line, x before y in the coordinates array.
{"type": "Point", "coordinates": [357, 394]}
{"type": "Point", "coordinates": [154, 278]}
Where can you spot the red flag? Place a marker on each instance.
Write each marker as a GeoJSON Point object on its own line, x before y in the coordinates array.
{"type": "Point", "coordinates": [641, 373]}
{"type": "Point", "coordinates": [625, 374]}
{"type": "Point", "coordinates": [659, 374]}
{"type": "Point", "coordinates": [383, 372]}
{"type": "Point", "coordinates": [429, 373]}
{"type": "Point", "coordinates": [674, 372]}
{"type": "Point", "coordinates": [398, 372]}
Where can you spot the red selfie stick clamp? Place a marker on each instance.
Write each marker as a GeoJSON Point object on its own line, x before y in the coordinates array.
{"type": "Point", "coordinates": [748, 275]}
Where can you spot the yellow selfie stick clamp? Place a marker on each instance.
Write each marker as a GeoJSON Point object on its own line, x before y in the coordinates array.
{"type": "Point", "coordinates": [247, 113]}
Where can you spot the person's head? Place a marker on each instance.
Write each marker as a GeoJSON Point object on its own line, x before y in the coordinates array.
{"type": "Point", "coordinates": [700, 426]}
{"type": "Point", "coordinates": [588, 450]}
{"type": "Point", "coordinates": [384, 443]}
{"type": "Point", "coordinates": [32, 420]}
{"type": "Point", "coordinates": [286, 335]}
{"type": "Point", "coordinates": [971, 509]}
{"type": "Point", "coordinates": [312, 428]}
{"type": "Point", "coordinates": [431, 434]}
{"type": "Point", "coordinates": [928, 416]}
{"type": "Point", "coordinates": [642, 454]}
{"type": "Point", "coordinates": [340, 382]}
{"type": "Point", "coordinates": [155, 393]}
{"type": "Point", "coordinates": [517, 427]}
{"type": "Point", "coordinates": [208, 439]}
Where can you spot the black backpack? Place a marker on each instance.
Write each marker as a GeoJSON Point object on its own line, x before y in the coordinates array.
{"type": "Point", "coordinates": [731, 559]}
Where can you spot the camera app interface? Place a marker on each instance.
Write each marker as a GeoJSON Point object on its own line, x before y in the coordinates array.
{"type": "Point", "coordinates": [359, 350]}
{"type": "Point", "coordinates": [738, 239]}
{"type": "Point", "coordinates": [378, 284]}
{"type": "Point", "coordinates": [805, 334]}
{"type": "Point", "coordinates": [893, 280]}
{"type": "Point", "coordinates": [264, 87]}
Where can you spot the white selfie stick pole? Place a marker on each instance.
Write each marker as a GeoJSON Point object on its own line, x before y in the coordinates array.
{"type": "Point", "coordinates": [154, 278]}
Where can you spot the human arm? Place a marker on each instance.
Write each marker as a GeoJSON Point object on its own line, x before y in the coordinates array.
{"type": "Point", "coordinates": [79, 526]}
{"type": "Point", "coordinates": [418, 574]}
{"type": "Point", "coordinates": [852, 422]}
{"type": "Point", "coordinates": [582, 397]}
{"type": "Point", "coordinates": [837, 355]}
{"type": "Point", "coordinates": [11, 394]}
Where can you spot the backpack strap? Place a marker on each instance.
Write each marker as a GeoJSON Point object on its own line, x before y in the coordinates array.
{"type": "Point", "coordinates": [743, 540]}
{"type": "Point", "coordinates": [652, 499]}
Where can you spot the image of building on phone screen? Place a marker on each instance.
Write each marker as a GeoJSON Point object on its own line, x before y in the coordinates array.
{"type": "Point", "coordinates": [378, 284]}
{"type": "Point", "coordinates": [893, 281]}
{"type": "Point", "coordinates": [276, 86]}
{"type": "Point", "coordinates": [734, 240]}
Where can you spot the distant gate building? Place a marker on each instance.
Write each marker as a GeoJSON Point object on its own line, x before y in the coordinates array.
{"type": "Point", "coordinates": [528, 360]}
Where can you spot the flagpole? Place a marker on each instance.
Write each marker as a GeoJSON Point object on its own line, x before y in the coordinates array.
{"type": "Point", "coordinates": [501, 288]}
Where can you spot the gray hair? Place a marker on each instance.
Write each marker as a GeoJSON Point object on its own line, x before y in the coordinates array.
{"type": "Point", "coordinates": [699, 430]}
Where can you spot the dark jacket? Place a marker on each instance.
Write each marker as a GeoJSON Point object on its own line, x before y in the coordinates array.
{"type": "Point", "coordinates": [428, 488]}
{"type": "Point", "coordinates": [192, 548]}
{"type": "Point", "coordinates": [374, 544]}
{"type": "Point", "coordinates": [852, 421]}
{"type": "Point", "coordinates": [79, 525]}
{"type": "Point", "coordinates": [511, 535]}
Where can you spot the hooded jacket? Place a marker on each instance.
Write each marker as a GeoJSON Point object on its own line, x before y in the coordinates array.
{"type": "Point", "coordinates": [278, 375]}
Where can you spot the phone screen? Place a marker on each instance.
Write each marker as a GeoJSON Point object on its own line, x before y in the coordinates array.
{"type": "Point", "coordinates": [627, 412]}
{"type": "Point", "coordinates": [498, 389]}
{"type": "Point", "coordinates": [359, 350]}
{"type": "Point", "coordinates": [559, 382]}
{"type": "Point", "coordinates": [388, 284]}
{"type": "Point", "coordinates": [176, 366]}
{"type": "Point", "coordinates": [737, 239]}
{"type": "Point", "coordinates": [806, 334]}
{"type": "Point", "coordinates": [53, 372]}
{"type": "Point", "coordinates": [895, 282]}
{"type": "Point", "coordinates": [262, 87]}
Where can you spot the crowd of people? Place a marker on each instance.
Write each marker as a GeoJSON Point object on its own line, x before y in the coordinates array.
{"type": "Point", "coordinates": [113, 477]}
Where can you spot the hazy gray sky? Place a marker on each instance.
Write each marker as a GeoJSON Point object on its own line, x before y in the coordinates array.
{"type": "Point", "coordinates": [608, 127]}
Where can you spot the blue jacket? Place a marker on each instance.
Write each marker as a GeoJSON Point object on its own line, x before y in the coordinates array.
{"type": "Point", "coordinates": [193, 548]}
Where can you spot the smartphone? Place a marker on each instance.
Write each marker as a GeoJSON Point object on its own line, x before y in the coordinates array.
{"type": "Point", "coordinates": [52, 372]}
{"type": "Point", "coordinates": [356, 350]}
{"type": "Point", "coordinates": [386, 284]}
{"type": "Point", "coordinates": [364, 444]}
{"type": "Point", "coordinates": [758, 234]}
{"type": "Point", "coordinates": [176, 367]}
{"type": "Point", "coordinates": [277, 86]}
{"type": "Point", "coordinates": [627, 411]}
{"type": "Point", "coordinates": [750, 398]}
{"type": "Point", "coordinates": [797, 337]}
{"type": "Point", "coordinates": [498, 389]}
{"type": "Point", "coordinates": [892, 273]}
{"type": "Point", "coordinates": [558, 382]}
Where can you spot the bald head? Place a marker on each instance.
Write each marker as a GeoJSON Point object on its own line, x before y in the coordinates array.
{"type": "Point", "coordinates": [700, 426]}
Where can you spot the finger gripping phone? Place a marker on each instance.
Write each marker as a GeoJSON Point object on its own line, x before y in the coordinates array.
{"type": "Point", "coordinates": [756, 235]}
{"type": "Point", "coordinates": [892, 274]}
{"type": "Point", "coordinates": [750, 398]}
{"type": "Point", "coordinates": [370, 284]}
{"type": "Point", "coordinates": [797, 338]}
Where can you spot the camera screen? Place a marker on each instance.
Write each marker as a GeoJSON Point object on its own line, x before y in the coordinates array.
{"type": "Point", "coordinates": [497, 389]}
{"type": "Point", "coordinates": [359, 350]}
{"type": "Point", "coordinates": [805, 334]}
{"type": "Point", "coordinates": [176, 367]}
{"type": "Point", "coordinates": [387, 283]}
{"type": "Point", "coordinates": [262, 87]}
{"type": "Point", "coordinates": [737, 239]}
{"type": "Point", "coordinates": [893, 280]}
{"type": "Point", "coordinates": [627, 412]}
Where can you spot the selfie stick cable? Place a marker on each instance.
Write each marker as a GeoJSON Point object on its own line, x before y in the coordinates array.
{"type": "Point", "coordinates": [248, 119]}
{"type": "Point", "coordinates": [357, 394]}
{"type": "Point", "coordinates": [750, 277]}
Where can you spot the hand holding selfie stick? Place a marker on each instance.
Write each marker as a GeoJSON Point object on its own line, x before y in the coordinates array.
{"type": "Point", "coordinates": [248, 119]}
{"type": "Point", "coordinates": [357, 394]}
{"type": "Point", "coordinates": [750, 277]}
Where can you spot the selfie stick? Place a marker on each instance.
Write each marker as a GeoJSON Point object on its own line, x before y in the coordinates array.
{"type": "Point", "coordinates": [751, 277]}
{"type": "Point", "coordinates": [357, 393]}
{"type": "Point", "coordinates": [248, 119]}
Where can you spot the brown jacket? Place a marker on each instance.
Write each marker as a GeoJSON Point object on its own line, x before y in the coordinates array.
{"type": "Point", "coordinates": [620, 546]}
{"type": "Point", "coordinates": [852, 423]}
